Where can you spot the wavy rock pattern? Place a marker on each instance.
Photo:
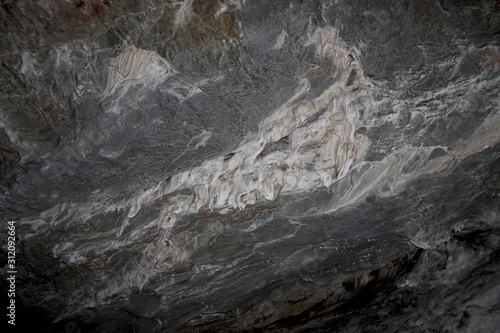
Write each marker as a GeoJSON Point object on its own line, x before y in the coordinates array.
{"type": "Point", "coordinates": [302, 145]}
{"type": "Point", "coordinates": [260, 166]}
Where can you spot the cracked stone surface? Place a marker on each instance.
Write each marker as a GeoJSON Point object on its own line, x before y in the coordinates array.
{"type": "Point", "coordinates": [251, 166]}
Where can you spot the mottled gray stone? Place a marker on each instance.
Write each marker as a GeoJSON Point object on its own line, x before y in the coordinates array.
{"type": "Point", "coordinates": [252, 166]}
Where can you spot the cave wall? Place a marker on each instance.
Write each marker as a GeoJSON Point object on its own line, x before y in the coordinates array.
{"type": "Point", "coordinates": [265, 166]}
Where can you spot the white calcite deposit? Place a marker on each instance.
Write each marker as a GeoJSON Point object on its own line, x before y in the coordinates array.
{"type": "Point", "coordinates": [305, 143]}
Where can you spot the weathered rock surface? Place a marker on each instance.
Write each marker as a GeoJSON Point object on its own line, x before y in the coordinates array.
{"type": "Point", "coordinates": [265, 166]}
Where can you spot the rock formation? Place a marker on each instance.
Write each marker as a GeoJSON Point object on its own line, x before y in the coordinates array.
{"type": "Point", "coordinates": [244, 165]}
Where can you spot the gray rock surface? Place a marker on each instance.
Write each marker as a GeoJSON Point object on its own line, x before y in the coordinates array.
{"type": "Point", "coordinates": [260, 166]}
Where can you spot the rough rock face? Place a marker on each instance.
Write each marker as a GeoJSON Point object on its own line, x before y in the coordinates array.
{"type": "Point", "coordinates": [263, 166]}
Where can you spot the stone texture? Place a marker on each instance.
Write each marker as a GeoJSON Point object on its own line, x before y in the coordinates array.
{"type": "Point", "coordinates": [281, 166]}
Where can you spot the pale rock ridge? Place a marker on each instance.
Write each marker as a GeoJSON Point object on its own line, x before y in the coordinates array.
{"type": "Point", "coordinates": [280, 40]}
{"type": "Point", "coordinates": [134, 64]}
{"type": "Point", "coordinates": [183, 13]}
